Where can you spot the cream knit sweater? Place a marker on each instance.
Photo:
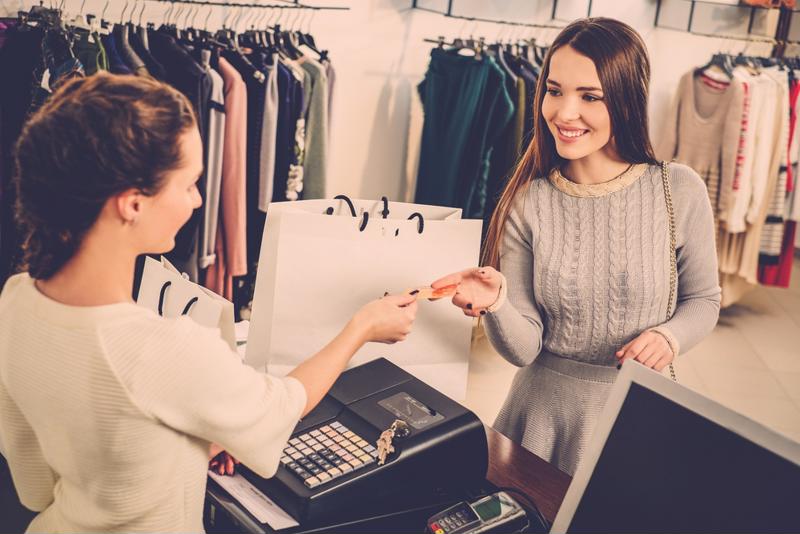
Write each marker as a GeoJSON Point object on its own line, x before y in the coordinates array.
{"type": "Point", "coordinates": [106, 413]}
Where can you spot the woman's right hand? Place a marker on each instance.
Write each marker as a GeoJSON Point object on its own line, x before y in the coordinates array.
{"type": "Point", "coordinates": [387, 320]}
{"type": "Point", "coordinates": [478, 288]}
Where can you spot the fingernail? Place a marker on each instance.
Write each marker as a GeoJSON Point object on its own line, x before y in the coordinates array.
{"type": "Point", "coordinates": [414, 292]}
{"type": "Point", "coordinates": [469, 306]}
{"type": "Point", "coordinates": [483, 312]}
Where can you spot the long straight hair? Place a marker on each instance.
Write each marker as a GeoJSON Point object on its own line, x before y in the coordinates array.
{"type": "Point", "coordinates": [622, 64]}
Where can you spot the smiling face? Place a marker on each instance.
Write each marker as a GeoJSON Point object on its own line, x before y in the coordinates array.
{"type": "Point", "coordinates": [574, 107]}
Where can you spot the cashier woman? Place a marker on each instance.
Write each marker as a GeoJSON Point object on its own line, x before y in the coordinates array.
{"type": "Point", "coordinates": [108, 412]}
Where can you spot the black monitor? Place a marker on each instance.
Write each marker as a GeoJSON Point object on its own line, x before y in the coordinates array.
{"type": "Point", "coordinates": [666, 459]}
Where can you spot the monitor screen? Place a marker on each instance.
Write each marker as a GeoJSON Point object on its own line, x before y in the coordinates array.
{"type": "Point", "coordinates": [665, 468]}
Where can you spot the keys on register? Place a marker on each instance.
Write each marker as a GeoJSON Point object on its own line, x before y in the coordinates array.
{"type": "Point", "coordinates": [324, 454]}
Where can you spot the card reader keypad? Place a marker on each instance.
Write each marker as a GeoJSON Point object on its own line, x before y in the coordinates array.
{"type": "Point", "coordinates": [324, 454]}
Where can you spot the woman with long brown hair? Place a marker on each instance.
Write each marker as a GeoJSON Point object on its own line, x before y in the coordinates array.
{"type": "Point", "coordinates": [596, 253]}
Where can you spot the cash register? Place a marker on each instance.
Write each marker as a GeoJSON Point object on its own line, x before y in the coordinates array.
{"type": "Point", "coordinates": [331, 472]}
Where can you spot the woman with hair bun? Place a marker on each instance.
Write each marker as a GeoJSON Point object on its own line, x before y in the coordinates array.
{"type": "Point", "coordinates": [580, 267]}
{"type": "Point", "coordinates": [108, 412]}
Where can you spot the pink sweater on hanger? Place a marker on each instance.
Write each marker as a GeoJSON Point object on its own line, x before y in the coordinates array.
{"type": "Point", "coordinates": [231, 246]}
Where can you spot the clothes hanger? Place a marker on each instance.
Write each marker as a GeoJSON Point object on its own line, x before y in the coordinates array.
{"type": "Point", "coordinates": [79, 21]}
{"type": "Point", "coordinates": [289, 40]}
{"type": "Point", "coordinates": [720, 62]}
{"type": "Point", "coordinates": [103, 26]}
{"type": "Point", "coordinates": [142, 30]}
{"type": "Point", "coordinates": [308, 39]}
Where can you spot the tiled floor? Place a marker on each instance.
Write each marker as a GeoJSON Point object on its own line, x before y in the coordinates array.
{"type": "Point", "coordinates": [750, 362]}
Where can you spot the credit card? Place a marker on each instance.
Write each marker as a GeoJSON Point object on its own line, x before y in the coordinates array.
{"type": "Point", "coordinates": [431, 293]}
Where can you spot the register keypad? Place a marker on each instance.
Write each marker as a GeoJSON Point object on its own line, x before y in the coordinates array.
{"type": "Point", "coordinates": [324, 454]}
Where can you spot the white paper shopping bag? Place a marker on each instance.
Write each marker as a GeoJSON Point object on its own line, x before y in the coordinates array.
{"type": "Point", "coordinates": [321, 260]}
{"type": "Point", "coordinates": [165, 291]}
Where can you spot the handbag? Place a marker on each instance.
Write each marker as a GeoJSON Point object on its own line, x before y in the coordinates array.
{"type": "Point", "coordinates": [673, 267]}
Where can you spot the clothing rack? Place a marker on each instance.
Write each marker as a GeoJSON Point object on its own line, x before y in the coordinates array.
{"type": "Point", "coordinates": [449, 14]}
{"type": "Point", "coordinates": [780, 40]}
{"type": "Point", "coordinates": [295, 4]}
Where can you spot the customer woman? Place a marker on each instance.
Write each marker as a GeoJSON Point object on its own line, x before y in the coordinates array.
{"type": "Point", "coordinates": [107, 411]}
{"type": "Point", "coordinates": [578, 264]}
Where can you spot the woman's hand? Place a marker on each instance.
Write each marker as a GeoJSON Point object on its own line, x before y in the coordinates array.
{"type": "Point", "coordinates": [221, 462]}
{"type": "Point", "coordinates": [478, 288]}
{"type": "Point", "coordinates": [649, 348]}
{"type": "Point", "coordinates": [387, 320]}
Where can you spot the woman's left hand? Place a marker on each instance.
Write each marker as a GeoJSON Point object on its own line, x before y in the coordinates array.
{"type": "Point", "coordinates": [649, 348]}
{"type": "Point", "coordinates": [223, 463]}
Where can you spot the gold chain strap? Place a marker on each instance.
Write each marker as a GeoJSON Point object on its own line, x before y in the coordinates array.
{"type": "Point", "coordinates": [673, 264]}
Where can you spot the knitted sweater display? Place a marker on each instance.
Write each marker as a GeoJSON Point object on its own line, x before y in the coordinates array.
{"type": "Point", "coordinates": [736, 129]}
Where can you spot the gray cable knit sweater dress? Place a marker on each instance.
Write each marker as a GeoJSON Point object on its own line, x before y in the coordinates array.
{"type": "Point", "coordinates": [587, 270]}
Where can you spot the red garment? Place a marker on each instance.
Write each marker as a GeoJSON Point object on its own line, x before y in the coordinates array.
{"type": "Point", "coordinates": [780, 274]}
{"type": "Point", "coordinates": [794, 91]}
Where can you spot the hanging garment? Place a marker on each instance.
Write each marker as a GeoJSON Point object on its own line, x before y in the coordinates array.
{"type": "Point", "coordinates": [89, 50]}
{"type": "Point", "coordinates": [772, 234]}
{"type": "Point", "coordinates": [777, 271]}
{"type": "Point", "coordinates": [255, 79]}
{"type": "Point", "coordinates": [215, 140]}
{"type": "Point", "coordinates": [231, 245]}
{"type": "Point", "coordinates": [316, 123]}
{"type": "Point", "coordinates": [506, 149]}
{"type": "Point", "coordinates": [330, 73]}
{"type": "Point", "coordinates": [20, 56]}
{"type": "Point", "coordinates": [779, 274]}
{"type": "Point", "coordinates": [466, 107]}
{"type": "Point", "coordinates": [703, 130]}
{"type": "Point", "coordinates": [185, 74]}
{"type": "Point", "coordinates": [115, 62]}
{"type": "Point", "coordinates": [154, 68]}
{"type": "Point", "coordinates": [129, 56]}
{"type": "Point", "coordinates": [290, 136]}
{"type": "Point", "coordinates": [529, 73]}
{"type": "Point", "coordinates": [58, 65]}
{"type": "Point", "coordinates": [269, 129]}
{"type": "Point", "coordinates": [739, 252]}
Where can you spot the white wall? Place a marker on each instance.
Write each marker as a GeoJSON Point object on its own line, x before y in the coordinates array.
{"type": "Point", "coordinates": [378, 50]}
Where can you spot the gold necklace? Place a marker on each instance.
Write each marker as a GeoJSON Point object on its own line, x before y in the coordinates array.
{"type": "Point", "coordinates": [620, 175]}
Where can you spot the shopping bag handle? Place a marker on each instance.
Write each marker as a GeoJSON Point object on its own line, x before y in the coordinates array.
{"type": "Point", "coordinates": [350, 205]}
{"type": "Point", "coordinates": [365, 215]}
{"type": "Point", "coordinates": [385, 212]}
{"type": "Point", "coordinates": [189, 306]}
{"type": "Point", "coordinates": [421, 223]}
{"type": "Point", "coordinates": [161, 295]}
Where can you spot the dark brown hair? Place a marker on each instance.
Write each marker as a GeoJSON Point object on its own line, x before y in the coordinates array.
{"type": "Point", "coordinates": [95, 138]}
{"type": "Point", "coordinates": [622, 64]}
